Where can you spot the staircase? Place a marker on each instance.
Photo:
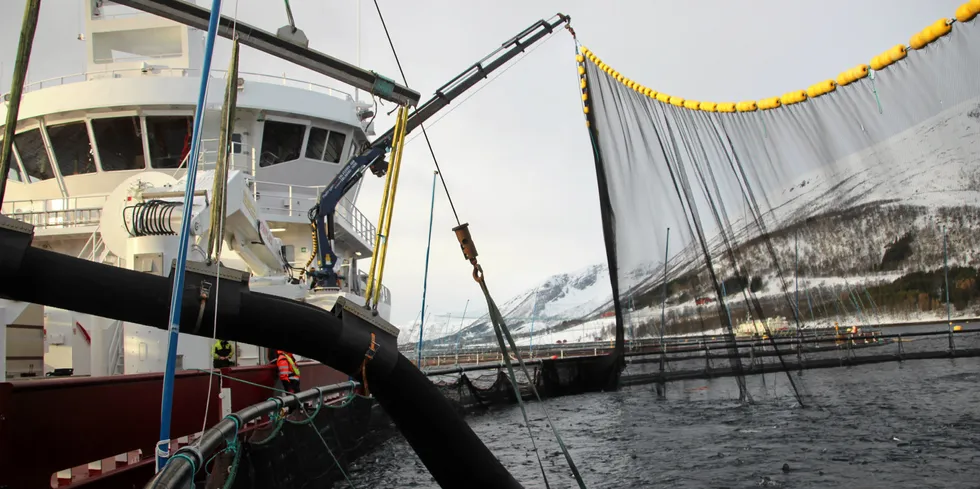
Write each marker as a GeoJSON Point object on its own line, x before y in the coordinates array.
{"type": "Point", "coordinates": [95, 249]}
{"type": "Point", "coordinates": [115, 355]}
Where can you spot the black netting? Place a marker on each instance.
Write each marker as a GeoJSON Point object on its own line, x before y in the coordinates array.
{"type": "Point", "coordinates": [289, 455]}
{"type": "Point", "coordinates": [829, 188]}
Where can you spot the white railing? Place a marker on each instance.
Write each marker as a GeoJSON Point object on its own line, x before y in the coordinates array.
{"type": "Point", "coordinates": [55, 213]}
{"type": "Point", "coordinates": [296, 200]}
{"type": "Point", "coordinates": [184, 72]}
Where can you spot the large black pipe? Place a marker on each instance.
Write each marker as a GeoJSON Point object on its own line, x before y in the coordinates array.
{"type": "Point", "coordinates": [180, 473]}
{"type": "Point", "coordinates": [447, 446]}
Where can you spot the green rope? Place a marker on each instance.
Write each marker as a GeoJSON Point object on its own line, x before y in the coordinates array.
{"type": "Point", "coordinates": [219, 374]}
{"type": "Point", "coordinates": [310, 417]}
{"type": "Point", "coordinates": [277, 423]}
{"type": "Point", "coordinates": [874, 89]}
{"type": "Point", "coordinates": [231, 445]}
{"type": "Point", "coordinates": [334, 457]}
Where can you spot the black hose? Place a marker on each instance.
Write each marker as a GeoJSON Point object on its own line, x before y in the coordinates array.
{"type": "Point", "coordinates": [151, 218]}
{"type": "Point", "coordinates": [447, 446]}
{"type": "Point", "coordinates": [180, 473]}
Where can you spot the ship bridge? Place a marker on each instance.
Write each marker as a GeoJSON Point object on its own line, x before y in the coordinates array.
{"type": "Point", "coordinates": [79, 136]}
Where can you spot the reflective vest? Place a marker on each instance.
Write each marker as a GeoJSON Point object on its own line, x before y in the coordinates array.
{"type": "Point", "coordinates": [223, 348]}
{"type": "Point", "coordinates": [287, 366]}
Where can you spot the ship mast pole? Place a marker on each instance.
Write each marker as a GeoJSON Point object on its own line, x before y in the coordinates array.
{"type": "Point", "coordinates": [177, 292]}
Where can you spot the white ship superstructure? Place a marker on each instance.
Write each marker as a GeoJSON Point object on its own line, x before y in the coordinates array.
{"type": "Point", "coordinates": [90, 145]}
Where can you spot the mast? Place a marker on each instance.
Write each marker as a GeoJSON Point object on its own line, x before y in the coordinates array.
{"type": "Point", "coordinates": [425, 279]}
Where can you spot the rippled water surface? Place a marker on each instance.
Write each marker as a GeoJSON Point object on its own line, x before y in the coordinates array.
{"type": "Point", "coordinates": [913, 424]}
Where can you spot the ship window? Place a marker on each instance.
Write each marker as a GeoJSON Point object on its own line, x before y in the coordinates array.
{"type": "Point", "coordinates": [72, 149]}
{"type": "Point", "coordinates": [316, 143]}
{"type": "Point", "coordinates": [281, 142]}
{"type": "Point", "coordinates": [335, 147]}
{"type": "Point", "coordinates": [169, 138]}
{"type": "Point", "coordinates": [325, 145]}
{"type": "Point", "coordinates": [33, 155]}
{"type": "Point", "coordinates": [236, 143]}
{"type": "Point", "coordinates": [120, 143]}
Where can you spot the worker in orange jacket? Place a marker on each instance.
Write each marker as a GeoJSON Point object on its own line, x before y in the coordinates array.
{"type": "Point", "coordinates": [288, 371]}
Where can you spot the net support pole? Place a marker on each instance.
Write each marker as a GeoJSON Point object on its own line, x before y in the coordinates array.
{"type": "Point", "coordinates": [949, 318]}
{"type": "Point", "coordinates": [31, 12]}
{"type": "Point", "coordinates": [663, 307]}
{"type": "Point", "coordinates": [177, 292]}
{"type": "Point", "coordinates": [425, 276]}
{"type": "Point", "coordinates": [796, 288]}
{"type": "Point", "coordinates": [534, 308]}
{"type": "Point", "coordinates": [460, 332]}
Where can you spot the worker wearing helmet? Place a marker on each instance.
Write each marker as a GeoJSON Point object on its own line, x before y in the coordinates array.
{"type": "Point", "coordinates": [288, 371]}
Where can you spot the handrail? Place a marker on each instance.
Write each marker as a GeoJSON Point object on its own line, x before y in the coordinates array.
{"type": "Point", "coordinates": [358, 222]}
{"type": "Point", "coordinates": [180, 470]}
{"type": "Point", "coordinates": [181, 73]}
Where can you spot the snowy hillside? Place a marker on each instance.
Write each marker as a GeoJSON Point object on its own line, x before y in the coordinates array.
{"type": "Point", "coordinates": [866, 219]}
{"type": "Point", "coordinates": [560, 298]}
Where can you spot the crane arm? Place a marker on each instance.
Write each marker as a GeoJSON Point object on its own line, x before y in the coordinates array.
{"type": "Point", "coordinates": [321, 215]}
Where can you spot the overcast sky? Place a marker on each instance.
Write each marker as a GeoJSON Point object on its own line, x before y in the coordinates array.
{"type": "Point", "coordinates": [516, 156]}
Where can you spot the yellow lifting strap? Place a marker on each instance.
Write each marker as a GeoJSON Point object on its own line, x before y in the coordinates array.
{"type": "Point", "coordinates": [380, 250]}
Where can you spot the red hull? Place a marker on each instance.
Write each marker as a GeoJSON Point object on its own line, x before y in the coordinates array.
{"type": "Point", "coordinates": [51, 425]}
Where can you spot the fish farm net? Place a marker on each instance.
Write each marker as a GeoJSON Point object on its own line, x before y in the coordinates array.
{"type": "Point", "coordinates": [306, 448]}
{"type": "Point", "coordinates": [849, 203]}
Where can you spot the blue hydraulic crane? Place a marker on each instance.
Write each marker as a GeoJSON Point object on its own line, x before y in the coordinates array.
{"type": "Point", "coordinates": [373, 157]}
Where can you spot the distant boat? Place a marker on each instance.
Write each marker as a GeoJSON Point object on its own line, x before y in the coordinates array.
{"type": "Point", "coordinates": [755, 327]}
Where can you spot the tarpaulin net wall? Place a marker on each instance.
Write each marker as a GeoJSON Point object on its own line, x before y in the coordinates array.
{"type": "Point", "coordinates": [825, 179]}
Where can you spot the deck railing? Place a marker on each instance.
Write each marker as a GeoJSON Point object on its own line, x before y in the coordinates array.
{"type": "Point", "coordinates": [180, 73]}
{"type": "Point", "coordinates": [296, 201]}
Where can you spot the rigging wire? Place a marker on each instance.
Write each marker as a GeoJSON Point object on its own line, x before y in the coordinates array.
{"type": "Point", "coordinates": [424, 133]}
{"type": "Point", "coordinates": [496, 316]}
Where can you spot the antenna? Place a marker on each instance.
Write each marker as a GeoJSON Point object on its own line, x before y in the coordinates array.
{"type": "Point", "coordinates": [358, 46]}
{"type": "Point", "coordinates": [81, 14]}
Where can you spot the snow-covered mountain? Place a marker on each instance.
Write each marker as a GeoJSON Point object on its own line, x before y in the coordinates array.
{"type": "Point", "coordinates": [845, 223]}
{"type": "Point", "coordinates": [560, 298]}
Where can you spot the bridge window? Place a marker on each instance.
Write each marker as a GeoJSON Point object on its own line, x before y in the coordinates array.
{"type": "Point", "coordinates": [169, 138]}
{"type": "Point", "coordinates": [325, 145]}
{"type": "Point", "coordinates": [281, 142]}
{"type": "Point", "coordinates": [34, 156]}
{"type": "Point", "coordinates": [236, 144]}
{"type": "Point", "coordinates": [316, 143]}
{"type": "Point", "coordinates": [14, 172]}
{"type": "Point", "coordinates": [120, 143]}
{"type": "Point", "coordinates": [335, 147]}
{"type": "Point", "coordinates": [72, 149]}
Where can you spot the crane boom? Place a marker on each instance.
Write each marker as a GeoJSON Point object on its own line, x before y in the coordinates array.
{"type": "Point", "coordinates": [321, 215]}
